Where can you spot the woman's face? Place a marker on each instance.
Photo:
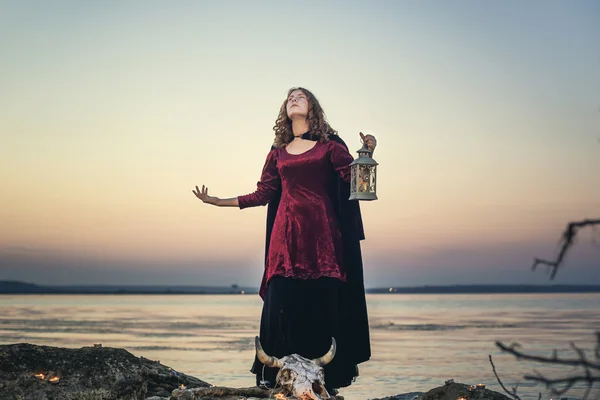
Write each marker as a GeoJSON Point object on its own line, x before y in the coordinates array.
{"type": "Point", "coordinates": [297, 105]}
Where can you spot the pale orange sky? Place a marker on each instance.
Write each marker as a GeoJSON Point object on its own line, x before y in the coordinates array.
{"type": "Point", "coordinates": [487, 118]}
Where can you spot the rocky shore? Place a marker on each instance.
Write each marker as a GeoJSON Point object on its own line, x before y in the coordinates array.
{"type": "Point", "coordinates": [31, 372]}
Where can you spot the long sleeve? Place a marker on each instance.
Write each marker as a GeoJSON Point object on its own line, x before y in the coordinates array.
{"type": "Point", "coordinates": [341, 160]}
{"type": "Point", "coordinates": [269, 184]}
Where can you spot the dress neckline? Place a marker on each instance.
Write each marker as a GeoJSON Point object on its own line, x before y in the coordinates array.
{"type": "Point", "coordinates": [299, 154]}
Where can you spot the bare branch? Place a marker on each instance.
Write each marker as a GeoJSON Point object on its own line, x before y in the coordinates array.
{"type": "Point", "coordinates": [567, 239]}
{"type": "Point", "coordinates": [561, 385]}
{"type": "Point", "coordinates": [570, 381]}
{"type": "Point", "coordinates": [577, 362]}
{"type": "Point", "coordinates": [513, 394]}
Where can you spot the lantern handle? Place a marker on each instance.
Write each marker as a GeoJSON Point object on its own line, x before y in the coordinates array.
{"type": "Point", "coordinates": [362, 138]}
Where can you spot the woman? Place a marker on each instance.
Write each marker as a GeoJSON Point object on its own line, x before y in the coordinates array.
{"type": "Point", "coordinates": [312, 285]}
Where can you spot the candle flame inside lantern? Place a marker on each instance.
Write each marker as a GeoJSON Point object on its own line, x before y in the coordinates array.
{"type": "Point", "coordinates": [54, 379]}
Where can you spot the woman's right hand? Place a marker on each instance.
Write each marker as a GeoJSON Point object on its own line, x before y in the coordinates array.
{"type": "Point", "coordinates": [203, 195]}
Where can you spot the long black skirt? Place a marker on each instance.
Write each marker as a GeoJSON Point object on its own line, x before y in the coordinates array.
{"type": "Point", "coordinates": [301, 316]}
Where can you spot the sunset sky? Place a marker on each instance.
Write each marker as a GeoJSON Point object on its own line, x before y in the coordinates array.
{"type": "Point", "coordinates": [487, 116]}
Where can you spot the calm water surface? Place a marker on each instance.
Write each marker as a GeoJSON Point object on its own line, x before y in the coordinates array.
{"type": "Point", "coordinates": [418, 341]}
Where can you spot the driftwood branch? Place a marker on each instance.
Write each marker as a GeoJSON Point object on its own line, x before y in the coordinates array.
{"type": "Point", "coordinates": [566, 241]}
{"type": "Point", "coordinates": [589, 376]}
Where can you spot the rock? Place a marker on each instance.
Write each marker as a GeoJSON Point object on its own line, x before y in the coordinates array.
{"type": "Point", "coordinates": [103, 373]}
{"type": "Point", "coordinates": [88, 373]}
{"type": "Point", "coordinates": [405, 396]}
{"type": "Point", "coordinates": [223, 393]}
{"type": "Point", "coordinates": [451, 391]}
{"type": "Point", "coordinates": [226, 393]}
{"type": "Point", "coordinates": [455, 391]}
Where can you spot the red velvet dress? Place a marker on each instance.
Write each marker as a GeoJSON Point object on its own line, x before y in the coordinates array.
{"type": "Point", "coordinates": [306, 242]}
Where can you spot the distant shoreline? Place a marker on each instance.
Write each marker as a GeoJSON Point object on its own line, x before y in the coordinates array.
{"type": "Point", "coordinates": [16, 287]}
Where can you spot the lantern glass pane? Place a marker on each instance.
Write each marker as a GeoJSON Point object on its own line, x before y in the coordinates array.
{"type": "Point", "coordinates": [364, 179]}
{"type": "Point", "coordinates": [372, 182]}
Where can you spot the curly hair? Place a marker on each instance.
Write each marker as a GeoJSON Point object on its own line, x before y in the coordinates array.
{"type": "Point", "coordinates": [317, 122]}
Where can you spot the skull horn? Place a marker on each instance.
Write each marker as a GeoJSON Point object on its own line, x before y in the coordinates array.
{"type": "Point", "coordinates": [326, 359]}
{"type": "Point", "coordinates": [267, 360]}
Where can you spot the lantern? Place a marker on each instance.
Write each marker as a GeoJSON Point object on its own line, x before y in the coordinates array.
{"type": "Point", "coordinates": [363, 169]}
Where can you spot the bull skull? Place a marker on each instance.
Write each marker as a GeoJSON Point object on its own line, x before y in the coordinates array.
{"type": "Point", "coordinates": [299, 376]}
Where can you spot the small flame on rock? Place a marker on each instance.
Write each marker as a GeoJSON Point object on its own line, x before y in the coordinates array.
{"type": "Point", "coordinates": [40, 376]}
{"type": "Point", "coordinates": [182, 387]}
{"type": "Point", "coordinates": [54, 379]}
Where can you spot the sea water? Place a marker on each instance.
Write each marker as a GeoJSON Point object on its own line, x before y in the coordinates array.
{"type": "Point", "coordinates": [418, 341]}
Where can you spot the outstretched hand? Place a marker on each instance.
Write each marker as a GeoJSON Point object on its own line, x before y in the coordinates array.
{"type": "Point", "coordinates": [369, 140]}
{"type": "Point", "coordinates": [203, 195]}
